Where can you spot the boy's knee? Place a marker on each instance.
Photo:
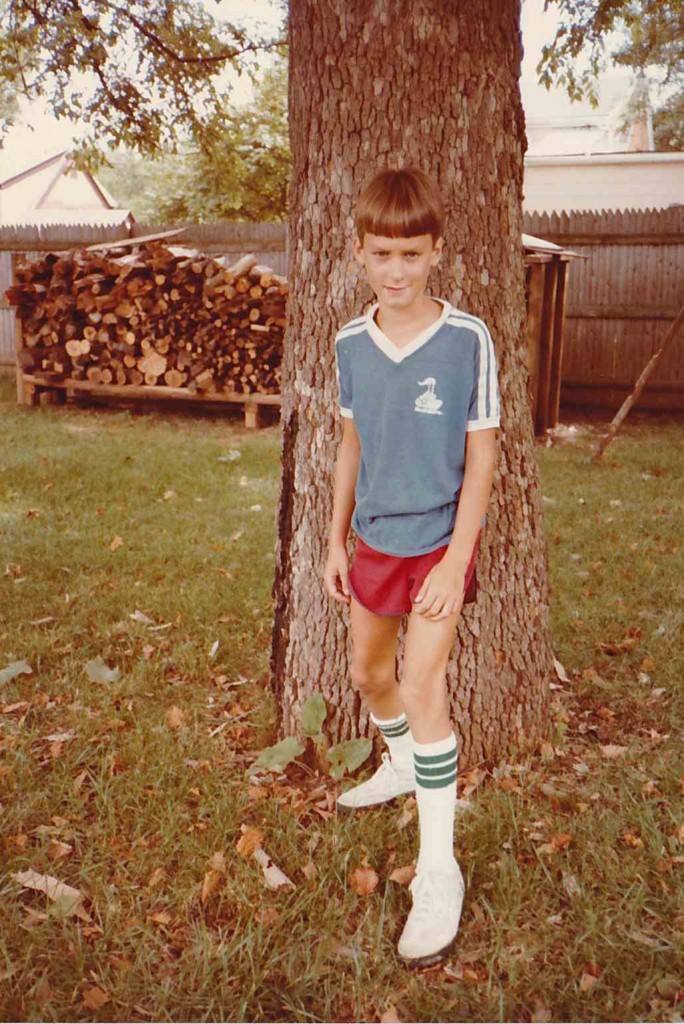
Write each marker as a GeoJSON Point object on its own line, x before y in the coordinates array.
{"type": "Point", "coordinates": [368, 679]}
{"type": "Point", "coordinates": [424, 694]}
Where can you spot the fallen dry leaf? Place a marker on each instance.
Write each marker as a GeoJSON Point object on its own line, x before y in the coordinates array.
{"type": "Point", "coordinates": [408, 813]}
{"type": "Point", "coordinates": [249, 841]}
{"type": "Point", "coordinates": [472, 780]}
{"type": "Point", "coordinates": [628, 642]}
{"type": "Point", "coordinates": [509, 785]}
{"type": "Point", "coordinates": [94, 998]}
{"type": "Point", "coordinates": [56, 849]}
{"type": "Point", "coordinates": [560, 671]}
{"type": "Point", "coordinates": [162, 917]}
{"type": "Point", "coordinates": [586, 981]}
{"type": "Point", "coordinates": [273, 876]}
{"type": "Point", "coordinates": [461, 972]}
{"type": "Point", "coordinates": [69, 897]}
{"type": "Point", "coordinates": [558, 842]}
{"type": "Point", "coordinates": [116, 543]}
{"type": "Point", "coordinates": [668, 987]}
{"type": "Point", "coordinates": [19, 705]}
{"type": "Point", "coordinates": [212, 880]}
{"type": "Point", "coordinates": [217, 861]}
{"type": "Point", "coordinates": [403, 875]}
{"type": "Point", "coordinates": [175, 717]}
{"type": "Point", "coordinates": [364, 881]}
{"type": "Point", "coordinates": [60, 737]}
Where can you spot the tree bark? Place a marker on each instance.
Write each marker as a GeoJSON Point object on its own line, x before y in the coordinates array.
{"type": "Point", "coordinates": [433, 84]}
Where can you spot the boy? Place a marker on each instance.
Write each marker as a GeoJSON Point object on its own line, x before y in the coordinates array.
{"type": "Point", "coordinates": [419, 399]}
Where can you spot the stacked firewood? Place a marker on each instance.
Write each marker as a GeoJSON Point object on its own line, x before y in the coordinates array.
{"type": "Point", "coordinates": [158, 315]}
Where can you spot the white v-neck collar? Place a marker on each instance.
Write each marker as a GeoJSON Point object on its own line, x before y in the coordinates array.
{"type": "Point", "coordinates": [398, 353]}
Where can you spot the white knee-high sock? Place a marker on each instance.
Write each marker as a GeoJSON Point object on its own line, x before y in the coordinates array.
{"type": "Point", "coordinates": [436, 765]}
{"type": "Point", "coordinates": [398, 737]}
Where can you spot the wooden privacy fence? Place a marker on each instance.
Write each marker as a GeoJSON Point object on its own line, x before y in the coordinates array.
{"type": "Point", "coordinates": [619, 303]}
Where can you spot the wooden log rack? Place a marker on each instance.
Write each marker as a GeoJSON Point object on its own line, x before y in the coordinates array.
{"type": "Point", "coordinates": [121, 332]}
{"type": "Point", "coordinates": [43, 390]}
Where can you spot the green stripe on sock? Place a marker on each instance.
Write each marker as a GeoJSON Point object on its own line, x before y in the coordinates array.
{"type": "Point", "coordinates": [434, 771]}
{"type": "Point", "coordinates": [437, 770]}
{"type": "Point", "coordinates": [400, 729]}
{"type": "Point", "coordinates": [430, 759]}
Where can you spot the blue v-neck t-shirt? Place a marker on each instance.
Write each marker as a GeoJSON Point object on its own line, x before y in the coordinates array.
{"type": "Point", "coordinates": [413, 406]}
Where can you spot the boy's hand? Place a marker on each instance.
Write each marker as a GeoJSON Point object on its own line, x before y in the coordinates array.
{"type": "Point", "coordinates": [442, 591]}
{"type": "Point", "coordinates": [336, 575]}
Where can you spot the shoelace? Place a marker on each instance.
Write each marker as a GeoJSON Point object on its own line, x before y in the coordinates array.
{"type": "Point", "coordinates": [423, 888]}
{"type": "Point", "coordinates": [388, 766]}
{"type": "Point", "coordinates": [395, 768]}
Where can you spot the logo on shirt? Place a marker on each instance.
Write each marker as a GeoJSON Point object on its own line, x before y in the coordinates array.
{"type": "Point", "coordinates": [428, 401]}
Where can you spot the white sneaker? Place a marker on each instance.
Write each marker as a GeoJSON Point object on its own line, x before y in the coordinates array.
{"type": "Point", "coordinates": [432, 924]}
{"type": "Point", "coordinates": [385, 785]}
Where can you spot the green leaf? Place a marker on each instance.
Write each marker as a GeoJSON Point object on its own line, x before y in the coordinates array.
{"type": "Point", "coordinates": [98, 672]}
{"type": "Point", "coordinates": [279, 755]}
{"type": "Point", "coordinates": [313, 715]}
{"type": "Point", "coordinates": [348, 755]}
{"type": "Point", "coordinates": [15, 668]}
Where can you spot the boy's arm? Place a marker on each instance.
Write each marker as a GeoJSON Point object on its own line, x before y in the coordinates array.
{"type": "Point", "coordinates": [346, 473]}
{"type": "Point", "coordinates": [474, 497]}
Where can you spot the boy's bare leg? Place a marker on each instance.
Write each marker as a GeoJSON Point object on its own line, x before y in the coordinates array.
{"type": "Point", "coordinates": [373, 675]}
{"type": "Point", "coordinates": [423, 685]}
{"type": "Point", "coordinates": [373, 664]}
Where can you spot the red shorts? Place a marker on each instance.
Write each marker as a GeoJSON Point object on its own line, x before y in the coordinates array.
{"type": "Point", "coordinates": [388, 584]}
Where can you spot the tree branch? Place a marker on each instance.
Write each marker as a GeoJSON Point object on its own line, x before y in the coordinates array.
{"type": "Point", "coordinates": [171, 53]}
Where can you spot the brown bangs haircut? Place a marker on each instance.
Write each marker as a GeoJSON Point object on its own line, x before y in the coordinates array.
{"type": "Point", "coordinates": [400, 203]}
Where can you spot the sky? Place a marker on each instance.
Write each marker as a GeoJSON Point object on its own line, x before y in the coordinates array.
{"type": "Point", "coordinates": [40, 134]}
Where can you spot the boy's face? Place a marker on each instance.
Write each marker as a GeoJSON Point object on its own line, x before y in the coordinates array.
{"type": "Point", "coordinates": [398, 268]}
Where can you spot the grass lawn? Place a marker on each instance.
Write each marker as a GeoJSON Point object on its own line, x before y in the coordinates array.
{"type": "Point", "coordinates": [144, 544]}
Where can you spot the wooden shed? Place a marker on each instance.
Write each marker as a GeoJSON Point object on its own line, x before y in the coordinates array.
{"type": "Point", "coordinates": [546, 275]}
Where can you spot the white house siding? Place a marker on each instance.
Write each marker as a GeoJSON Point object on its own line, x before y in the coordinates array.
{"type": "Point", "coordinates": [612, 181]}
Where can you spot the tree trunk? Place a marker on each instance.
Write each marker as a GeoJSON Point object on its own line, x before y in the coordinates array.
{"type": "Point", "coordinates": [437, 85]}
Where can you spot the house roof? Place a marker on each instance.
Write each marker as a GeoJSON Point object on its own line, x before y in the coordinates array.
{"type": "Point", "coordinates": [52, 191]}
